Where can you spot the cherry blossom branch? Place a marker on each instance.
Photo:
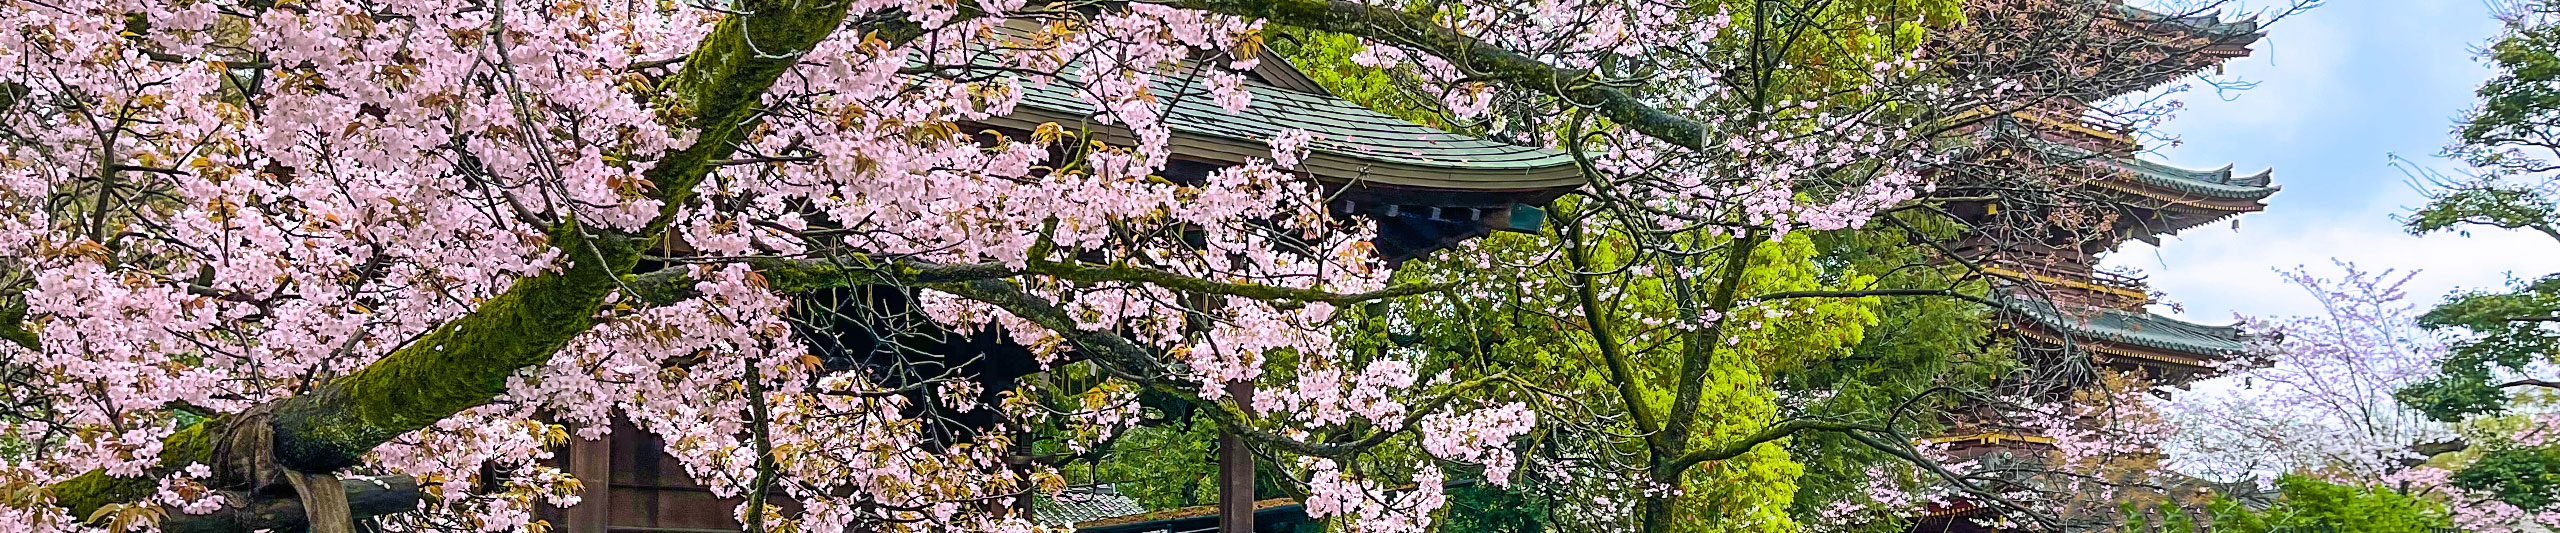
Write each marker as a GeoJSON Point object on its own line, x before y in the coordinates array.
{"type": "Point", "coordinates": [1773, 432]}
{"type": "Point", "coordinates": [1131, 361]}
{"type": "Point", "coordinates": [1961, 482]}
{"type": "Point", "coordinates": [1621, 369]}
{"type": "Point", "coordinates": [1878, 292]}
{"type": "Point", "coordinates": [803, 274]}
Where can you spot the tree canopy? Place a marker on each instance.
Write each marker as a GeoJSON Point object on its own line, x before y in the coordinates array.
{"type": "Point", "coordinates": [251, 250]}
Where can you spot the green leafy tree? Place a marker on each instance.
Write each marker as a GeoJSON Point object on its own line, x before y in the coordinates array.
{"type": "Point", "coordinates": [2306, 504]}
{"type": "Point", "coordinates": [2500, 337]}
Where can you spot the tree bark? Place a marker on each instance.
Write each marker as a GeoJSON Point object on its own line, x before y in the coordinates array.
{"type": "Point", "coordinates": [365, 497]}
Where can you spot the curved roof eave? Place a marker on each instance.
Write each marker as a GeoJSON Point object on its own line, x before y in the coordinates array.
{"type": "Point", "coordinates": [1351, 143]}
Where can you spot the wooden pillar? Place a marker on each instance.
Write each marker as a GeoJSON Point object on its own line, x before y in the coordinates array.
{"type": "Point", "coordinates": [591, 461]}
{"type": "Point", "coordinates": [1235, 471]}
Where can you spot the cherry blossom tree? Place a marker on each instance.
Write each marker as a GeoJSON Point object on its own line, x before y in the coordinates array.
{"type": "Point", "coordinates": [256, 252]}
{"type": "Point", "coordinates": [2316, 397]}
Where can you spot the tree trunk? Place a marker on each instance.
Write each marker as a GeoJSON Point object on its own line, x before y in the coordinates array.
{"type": "Point", "coordinates": [1235, 471]}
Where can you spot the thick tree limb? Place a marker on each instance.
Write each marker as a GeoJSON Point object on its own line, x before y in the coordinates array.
{"type": "Point", "coordinates": [366, 497]}
{"type": "Point", "coordinates": [1878, 292]}
{"type": "Point", "coordinates": [2529, 382]}
{"type": "Point", "coordinates": [1621, 368]}
{"type": "Point", "coordinates": [1702, 345]}
{"type": "Point", "coordinates": [1774, 432]}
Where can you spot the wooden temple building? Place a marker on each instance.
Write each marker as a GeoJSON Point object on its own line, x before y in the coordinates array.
{"type": "Point", "coordinates": [2069, 320]}
{"type": "Point", "coordinates": [1424, 188]}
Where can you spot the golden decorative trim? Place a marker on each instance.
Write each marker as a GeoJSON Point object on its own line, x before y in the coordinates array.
{"type": "Point", "coordinates": [2076, 284]}
{"type": "Point", "coordinates": [1989, 438]}
{"type": "Point", "coordinates": [2112, 347]}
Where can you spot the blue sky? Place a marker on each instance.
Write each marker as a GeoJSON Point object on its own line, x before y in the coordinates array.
{"type": "Point", "coordinates": [2341, 88]}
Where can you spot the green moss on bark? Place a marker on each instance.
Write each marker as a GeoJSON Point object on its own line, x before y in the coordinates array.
{"type": "Point", "coordinates": [13, 326]}
{"type": "Point", "coordinates": [457, 366]}
{"type": "Point", "coordinates": [85, 494]}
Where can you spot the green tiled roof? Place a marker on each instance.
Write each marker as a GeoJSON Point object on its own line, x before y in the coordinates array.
{"type": "Point", "coordinates": [2138, 329]}
{"type": "Point", "coordinates": [2217, 183]}
{"type": "Point", "coordinates": [1350, 142]}
{"type": "Point", "coordinates": [1083, 504]}
{"type": "Point", "coordinates": [2206, 25]}
{"type": "Point", "coordinates": [2220, 182]}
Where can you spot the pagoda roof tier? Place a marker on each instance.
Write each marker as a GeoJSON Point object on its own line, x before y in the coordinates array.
{"type": "Point", "coordinates": [2138, 329]}
{"type": "Point", "coordinates": [2219, 183]}
{"type": "Point", "coordinates": [2205, 25]}
{"type": "Point", "coordinates": [2196, 41]}
{"type": "Point", "coordinates": [2212, 189]}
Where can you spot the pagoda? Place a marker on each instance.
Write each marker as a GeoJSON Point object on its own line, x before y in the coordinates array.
{"type": "Point", "coordinates": [2068, 320]}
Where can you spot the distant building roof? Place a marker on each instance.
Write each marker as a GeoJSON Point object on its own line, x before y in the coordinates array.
{"type": "Point", "coordinates": [1084, 504]}
{"type": "Point", "coordinates": [1351, 143]}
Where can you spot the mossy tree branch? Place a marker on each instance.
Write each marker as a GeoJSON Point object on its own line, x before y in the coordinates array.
{"type": "Point", "coordinates": [13, 325]}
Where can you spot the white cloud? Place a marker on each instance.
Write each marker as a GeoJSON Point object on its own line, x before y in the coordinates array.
{"type": "Point", "coordinates": [2216, 272]}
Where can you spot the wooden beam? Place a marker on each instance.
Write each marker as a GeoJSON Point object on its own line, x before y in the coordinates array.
{"type": "Point", "coordinates": [366, 497]}
{"type": "Point", "coordinates": [1235, 471]}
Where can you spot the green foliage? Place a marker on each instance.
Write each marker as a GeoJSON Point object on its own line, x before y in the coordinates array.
{"type": "Point", "coordinates": [1483, 508]}
{"type": "Point", "coordinates": [2505, 332]}
{"type": "Point", "coordinates": [2490, 204]}
{"type": "Point", "coordinates": [2305, 503]}
{"type": "Point", "coordinates": [1834, 59]}
{"type": "Point", "coordinates": [1165, 467]}
{"type": "Point", "coordinates": [1918, 344]}
{"type": "Point", "coordinates": [1837, 358]}
{"type": "Point", "coordinates": [2509, 128]}
{"type": "Point", "coordinates": [2458, 389]}
{"type": "Point", "coordinates": [2528, 478]}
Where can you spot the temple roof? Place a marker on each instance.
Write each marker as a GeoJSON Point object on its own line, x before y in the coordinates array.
{"type": "Point", "coordinates": [2210, 26]}
{"type": "Point", "coordinates": [2139, 329]}
{"type": "Point", "coordinates": [2220, 183]}
{"type": "Point", "coordinates": [2216, 183]}
{"type": "Point", "coordinates": [1084, 504]}
{"type": "Point", "coordinates": [1351, 143]}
